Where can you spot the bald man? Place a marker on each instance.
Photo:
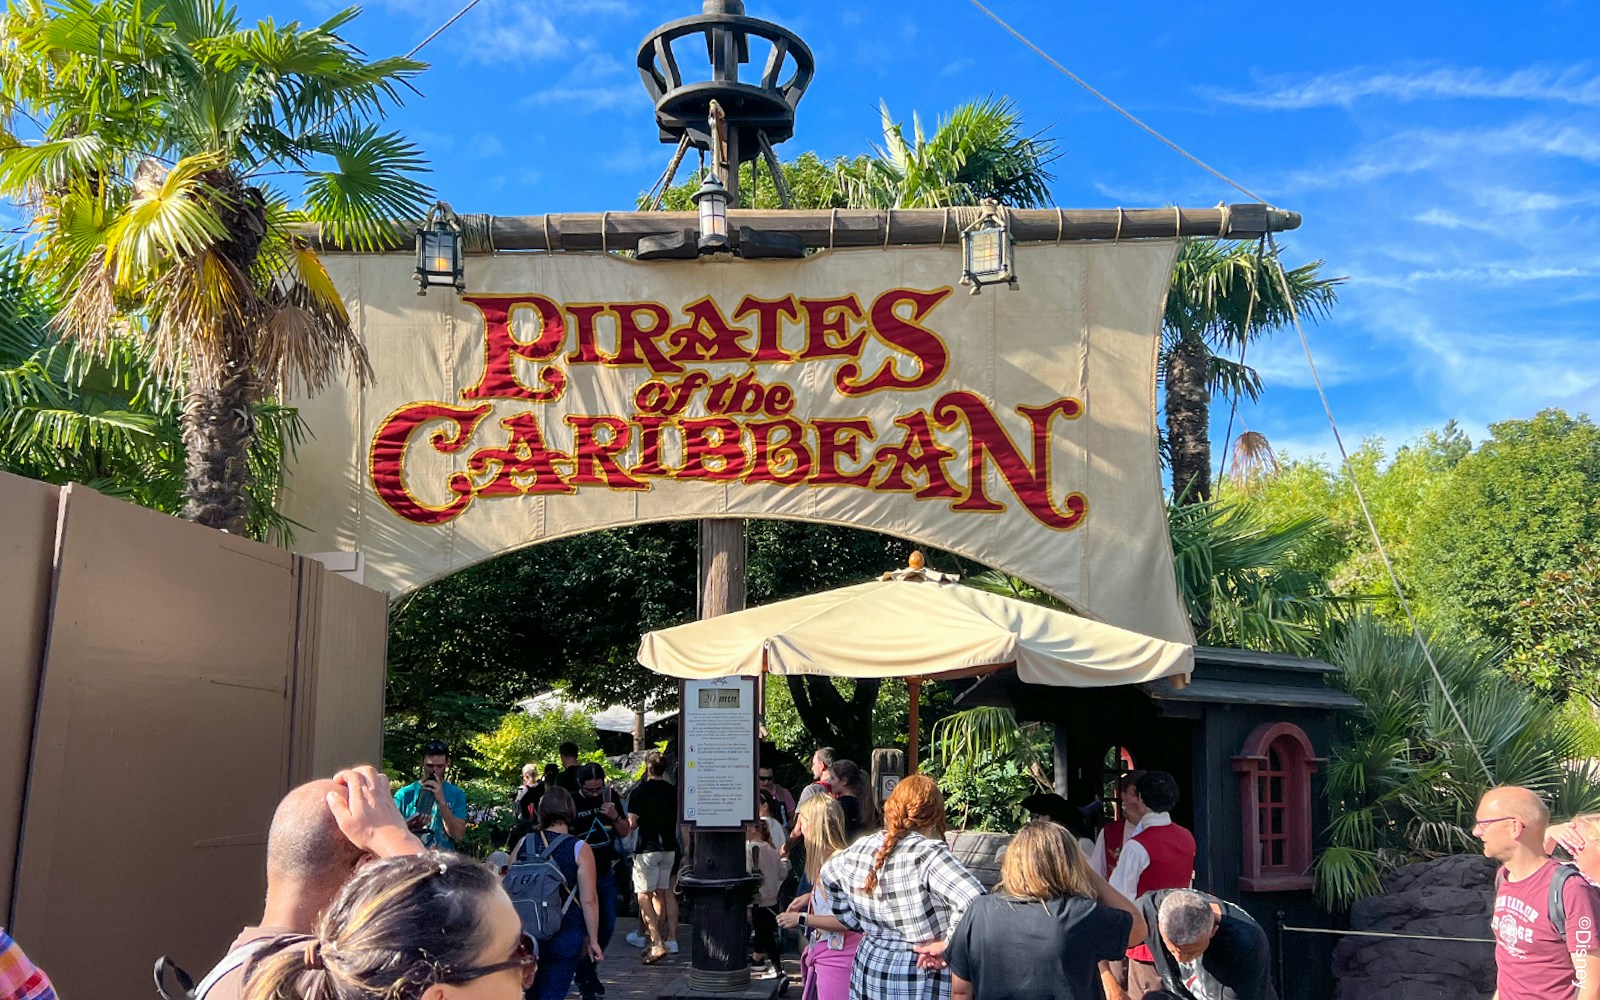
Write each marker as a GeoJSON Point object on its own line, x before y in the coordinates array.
{"type": "Point", "coordinates": [321, 834]}
{"type": "Point", "coordinates": [1534, 959]}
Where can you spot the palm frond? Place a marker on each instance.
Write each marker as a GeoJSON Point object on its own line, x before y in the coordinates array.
{"type": "Point", "coordinates": [374, 186]}
{"type": "Point", "coordinates": [966, 738]}
{"type": "Point", "coordinates": [30, 169]}
{"type": "Point", "coordinates": [178, 220]}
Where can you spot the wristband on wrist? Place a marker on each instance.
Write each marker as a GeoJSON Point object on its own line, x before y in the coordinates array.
{"type": "Point", "coordinates": [802, 918]}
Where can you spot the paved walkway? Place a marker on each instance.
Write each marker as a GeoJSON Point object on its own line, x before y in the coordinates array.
{"type": "Point", "coordinates": [628, 978]}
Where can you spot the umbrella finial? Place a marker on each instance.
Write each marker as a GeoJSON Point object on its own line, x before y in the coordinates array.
{"type": "Point", "coordinates": [916, 561]}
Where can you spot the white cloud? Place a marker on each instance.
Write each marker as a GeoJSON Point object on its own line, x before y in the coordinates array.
{"type": "Point", "coordinates": [597, 83]}
{"type": "Point", "coordinates": [959, 66]}
{"type": "Point", "coordinates": [1576, 85]}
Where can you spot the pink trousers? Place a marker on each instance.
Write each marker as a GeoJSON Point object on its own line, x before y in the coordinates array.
{"type": "Point", "coordinates": [826, 971]}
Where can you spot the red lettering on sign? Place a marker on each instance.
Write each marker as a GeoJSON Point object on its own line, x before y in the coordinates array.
{"type": "Point", "coordinates": [989, 441]}
{"type": "Point", "coordinates": [838, 439]}
{"type": "Point", "coordinates": [769, 325]}
{"type": "Point", "coordinates": [927, 350]}
{"type": "Point", "coordinates": [501, 348]}
{"type": "Point", "coordinates": [387, 460]}
{"type": "Point", "coordinates": [594, 460]}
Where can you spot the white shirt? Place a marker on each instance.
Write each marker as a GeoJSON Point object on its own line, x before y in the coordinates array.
{"type": "Point", "coordinates": [1097, 857]}
{"type": "Point", "coordinates": [1135, 859]}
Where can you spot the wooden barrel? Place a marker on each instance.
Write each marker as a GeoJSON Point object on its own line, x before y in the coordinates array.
{"type": "Point", "coordinates": [980, 852]}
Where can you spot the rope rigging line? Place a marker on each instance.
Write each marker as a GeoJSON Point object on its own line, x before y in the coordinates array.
{"type": "Point", "coordinates": [331, 115]}
{"type": "Point", "coordinates": [1366, 512]}
{"type": "Point", "coordinates": [1294, 314]}
{"type": "Point", "coordinates": [441, 28]}
{"type": "Point", "coordinates": [1119, 109]}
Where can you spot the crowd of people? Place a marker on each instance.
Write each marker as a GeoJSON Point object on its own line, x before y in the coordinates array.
{"type": "Point", "coordinates": [367, 898]}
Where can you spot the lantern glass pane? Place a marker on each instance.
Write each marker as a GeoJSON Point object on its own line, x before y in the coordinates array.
{"type": "Point", "coordinates": [986, 252]}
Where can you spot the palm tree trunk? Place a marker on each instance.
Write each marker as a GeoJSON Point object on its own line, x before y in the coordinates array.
{"type": "Point", "coordinates": [219, 425]}
{"type": "Point", "coordinates": [1188, 421]}
{"type": "Point", "coordinates": [219, 422]}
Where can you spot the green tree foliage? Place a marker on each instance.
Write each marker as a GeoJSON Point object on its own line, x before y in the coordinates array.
{"type": "Point", "coordinates": [978, 150]}
{"type": "Point", "coordinates": [565, 614]}
{"type": "Point", "coordinates": [103, 418]}
{"type": "Point", "coordinates": [1519, 505]}
{"type": "Point", "coordinates": [1341, 550]}
{"type": "Point", "coordinates": [813, 183]}
{"type": "Point", "coordinates": [1404, 781]}
{"type": "Point", "coordinates": [159, 121]}
{"type": "Point", "coordinates": [1555, 636]}
{"type": "Point", "coordinates": [1239, 579]}
{"type": "Point", "coordinates": [529, 738]}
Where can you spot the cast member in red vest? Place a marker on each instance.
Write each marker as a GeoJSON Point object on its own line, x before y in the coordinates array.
{"type": "Point", "coordinates": [1108, 843]}
{"type": "Point", "coordinates": [1159, 855]}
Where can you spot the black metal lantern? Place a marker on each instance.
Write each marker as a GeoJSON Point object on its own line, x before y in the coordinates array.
{"type": "Point", "coordinates": [440, 262]}
{"type": "Point", "coordinates": [988, 251]}
{"type": "Point", "coordinates": [712, 201]}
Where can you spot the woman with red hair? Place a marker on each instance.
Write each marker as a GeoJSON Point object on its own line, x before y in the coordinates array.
{"type": "Point", "coordinates": [904, 891]}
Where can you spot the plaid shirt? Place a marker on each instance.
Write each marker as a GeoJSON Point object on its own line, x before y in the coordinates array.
{"type": "Point", "coordinates": [921, 893]}
{"type": "Point", "coordinates": [20, 979]}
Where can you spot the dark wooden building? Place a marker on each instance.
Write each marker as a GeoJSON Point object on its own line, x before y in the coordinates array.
{"type": "Point", "coordinates": [1247, 739]}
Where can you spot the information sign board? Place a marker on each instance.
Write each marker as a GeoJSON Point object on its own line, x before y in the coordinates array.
{"type": "Point", "coordinates": [719, 752]}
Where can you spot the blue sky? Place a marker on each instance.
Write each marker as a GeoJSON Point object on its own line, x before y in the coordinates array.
{"type": "Point", "coordinates": [1445, 156]}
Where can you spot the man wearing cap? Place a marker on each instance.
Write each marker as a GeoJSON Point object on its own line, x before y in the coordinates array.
{"type": "Point", "coordinates": [434, 809]}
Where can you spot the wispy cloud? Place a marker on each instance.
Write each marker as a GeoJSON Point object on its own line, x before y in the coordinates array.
{"type": "Point", "coordinates": [1412, 151]}
{"type": "Point", "coordinates": [1576, 85]}
{"type": "Point", "coordinates": [597, 83]}
{"type": "Point", "coordinates": [959, 66]}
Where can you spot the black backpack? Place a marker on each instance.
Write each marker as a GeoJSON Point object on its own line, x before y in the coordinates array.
{"type": "Point", "coordinates": [1555, 905]}
{"type": "Point", "coordinates": [538, 887]}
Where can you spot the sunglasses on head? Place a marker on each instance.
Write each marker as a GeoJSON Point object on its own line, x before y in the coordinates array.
{"type": "Point", "coordinates": [526, 958]}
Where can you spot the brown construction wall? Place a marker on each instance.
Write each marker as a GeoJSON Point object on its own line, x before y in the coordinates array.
{"type": "Point", "coordinates": [183, 690]}
{"type": "Point", "coordinates": [27, 547]}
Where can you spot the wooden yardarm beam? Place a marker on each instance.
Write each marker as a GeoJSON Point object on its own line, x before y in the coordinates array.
{"type": "Point", "coordinates": [856, 228]}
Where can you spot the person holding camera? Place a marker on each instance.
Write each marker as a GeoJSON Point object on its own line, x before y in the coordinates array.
{"type": "Point", "coordinates": [434, 809]}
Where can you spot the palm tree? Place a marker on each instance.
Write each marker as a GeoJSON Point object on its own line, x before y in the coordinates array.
{"type": "Point", "coordinates": [1222, 297]}
{"type": "Point", "coordinates": [1241, 584]}
{"type": "Point", "coordinates": [977, 151]}
{"type": "Point", "coordinates": [102, 418]}
{"type": "Point", "coordinates": [1405, 778]}
{"type": "Point", "coordinates": [160, 122]}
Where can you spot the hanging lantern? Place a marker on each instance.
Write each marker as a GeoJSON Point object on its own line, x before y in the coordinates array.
{"type": "Point", "coordinates": [440, 262]}
{"type": "Point", "coordinates": [988, 251]}
{"type": "Point", "coordinates": [712, 201]}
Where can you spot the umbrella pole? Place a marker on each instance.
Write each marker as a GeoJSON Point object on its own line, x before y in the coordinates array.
{"type": "Point", "coordinates": [914, 687]}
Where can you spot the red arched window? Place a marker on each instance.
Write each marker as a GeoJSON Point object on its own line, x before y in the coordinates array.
{"type": "Point", "coordinates": [1275, 769]}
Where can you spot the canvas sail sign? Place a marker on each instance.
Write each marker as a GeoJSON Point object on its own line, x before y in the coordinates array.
{"type": "Point", "coordinates": [570, 392]}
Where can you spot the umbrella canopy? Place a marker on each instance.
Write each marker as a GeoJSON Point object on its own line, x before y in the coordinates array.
{"type": "Point", "coordinates": [915, 629]}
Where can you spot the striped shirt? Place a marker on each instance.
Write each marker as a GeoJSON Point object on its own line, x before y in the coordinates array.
{"type": "Point", "coordinates": [20, 979]}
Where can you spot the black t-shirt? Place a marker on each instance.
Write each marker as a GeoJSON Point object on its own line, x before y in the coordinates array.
{"type": "Point", "coordinates": [1014, 949]}
{"type": "Point", "coordinates": [655, 802]}
{"type": "Point", "coordinates": [568, 779]}
{"type": "Point", "coordinates": [593, 826]}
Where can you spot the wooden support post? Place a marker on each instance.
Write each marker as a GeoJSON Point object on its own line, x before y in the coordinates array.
{"type": "Point", "coordinates": [719, 889]}
{"type": "Point", "coordinates": [1058, 740]}
{"type": "Point", "coordinates": [914, 690]}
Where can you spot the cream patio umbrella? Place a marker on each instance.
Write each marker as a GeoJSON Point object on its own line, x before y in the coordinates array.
{"type": "Point", "coordinates": [916, 625]}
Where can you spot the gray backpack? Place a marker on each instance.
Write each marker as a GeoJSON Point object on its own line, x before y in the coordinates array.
{"type": "Point", "coordinates": [537, 886]}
